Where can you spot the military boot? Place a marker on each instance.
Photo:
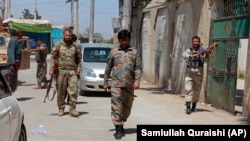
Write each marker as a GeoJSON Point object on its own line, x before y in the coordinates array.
{"type": "Point", "coordinates": [61, 112]}
{"type": "Point", "coordinates": [73, 112]}
{"type": "Point", "coordinates": [188, 110]}
{"type": "Point", "coordinates": [193, 107]}
{"type": "Point", "coordinates": [119, 132]}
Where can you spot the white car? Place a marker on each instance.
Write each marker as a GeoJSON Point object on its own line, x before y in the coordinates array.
{"type": "Point", "coordinates": [93, 66]}
{"type": "Point", "coordinates": [12, 126]}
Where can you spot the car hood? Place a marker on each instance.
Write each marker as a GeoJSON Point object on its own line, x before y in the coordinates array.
{"type": "Point", "coordinates": [97, 67]}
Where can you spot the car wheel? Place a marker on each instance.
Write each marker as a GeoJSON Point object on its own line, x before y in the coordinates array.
{"type": "Point", "coordinates": [81, 92]}
{"type": "Point", "coordinates": [23, 134]}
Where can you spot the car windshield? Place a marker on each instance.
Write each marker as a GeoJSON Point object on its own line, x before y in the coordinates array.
{"type": "Point", "coordinates": [94, 54]}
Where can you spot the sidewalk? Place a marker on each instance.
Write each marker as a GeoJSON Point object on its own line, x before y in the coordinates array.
{"type": "Point", "coordinates": [173, 109]}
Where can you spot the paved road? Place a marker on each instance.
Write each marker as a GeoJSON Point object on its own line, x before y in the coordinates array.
{"type": "Point", "coordinates": [94, 123]}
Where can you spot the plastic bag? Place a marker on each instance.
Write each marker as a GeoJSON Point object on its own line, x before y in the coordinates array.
{"type": "Point", "coordinates": [40, 130]}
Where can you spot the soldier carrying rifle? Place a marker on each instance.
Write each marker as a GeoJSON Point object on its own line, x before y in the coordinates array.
{"type": "Point", "coordinates": [195, 57]}
{"type": "Point", "coordinates": [69, 58]}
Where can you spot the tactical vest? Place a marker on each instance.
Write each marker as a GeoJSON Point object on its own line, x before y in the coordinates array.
{"type": "Point", "coordinates": [195, 63]}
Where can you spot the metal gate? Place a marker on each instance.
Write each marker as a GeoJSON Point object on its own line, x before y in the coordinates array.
{"type": "Point", "coordinates": [226, 30]}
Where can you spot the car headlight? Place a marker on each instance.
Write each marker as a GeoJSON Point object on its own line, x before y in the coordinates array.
{"type": "Point", "coordinates": [89, 73]}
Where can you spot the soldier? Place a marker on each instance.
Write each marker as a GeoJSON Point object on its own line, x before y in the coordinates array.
{"type": "Point", "coordinates": [74, 38]}
{"type": "Point", "coordinates": [195, 57]}
{"type": "Point", "coordinates": [40, 57]}
{"type": "Point", "coordinates": [68, 59]}
{"type": "Point", "coordinates": [125, 63]}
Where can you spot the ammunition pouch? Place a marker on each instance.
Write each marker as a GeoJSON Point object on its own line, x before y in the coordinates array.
{"type": "Point", "coordinates": [195, 63]}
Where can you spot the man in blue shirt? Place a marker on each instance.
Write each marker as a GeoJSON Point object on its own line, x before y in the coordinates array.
{"type": "Point", "coordinates": [14, 57]}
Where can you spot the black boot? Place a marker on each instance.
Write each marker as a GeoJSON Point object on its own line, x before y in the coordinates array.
{"type": "Point", "coordinates": [188, 110]}
{"type": "Point", "coordinates": [193, 106]}
{"type": "Point", "coordinates": [118, 132]}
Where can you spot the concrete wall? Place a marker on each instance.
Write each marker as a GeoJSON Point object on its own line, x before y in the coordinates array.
{"type": "Point", "coordinates": [181, 24]}
{"type": "Point", "coordinates": [184, 19]}
{"type": "Point", "coordinates": [242, 57]}
{"type": "Point", "coordinates": [246, 99]}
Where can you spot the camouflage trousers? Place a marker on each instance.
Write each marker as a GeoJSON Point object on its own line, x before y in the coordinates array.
{"type": "Point", "coordinates": [193, 84]}
{"type": "Point", "coordinates": [41, 72]}
{"type": "Point", "coordinates": [121, 104]}
{"type": "Point", "coordinates": [66, 83]}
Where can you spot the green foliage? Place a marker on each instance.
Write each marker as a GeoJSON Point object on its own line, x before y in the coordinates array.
{"type": "Point", "coordinates": [144, 2]}
{"type": "Point", "coordinates": [28, 15]}
{"type": "Point", "coordinates": [110, 41]}
{"type": "Point", "coordinates": [241, 76]}
{"type": "Point", "coordinates": [96, 36]}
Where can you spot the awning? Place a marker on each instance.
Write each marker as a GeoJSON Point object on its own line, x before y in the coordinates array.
{"type": "Point", "coordinates": [29, 25]}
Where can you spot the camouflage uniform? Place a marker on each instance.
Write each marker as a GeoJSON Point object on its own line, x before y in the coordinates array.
{"type": "Point", "coordinates": [66, 78]}
{"type": "Point", "coordinates": [127, 69]}
{"type": "Point", "coordinates": [41, 72]}
{"type": "Point", "coordinates": [193, 77]}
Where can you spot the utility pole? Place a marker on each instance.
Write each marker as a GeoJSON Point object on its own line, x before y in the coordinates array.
{"type": "Point", "coordinates": [72, 14]}
{"type": "Point", "coordinates": [3, 8]}
{"type": "Point", "coordinates": [77, 19]}
{"type": "Point", "coordinates": [72, 11]}
{"type": "Point", "coordinates": [35, 10]}
{"type": "Point", "coordinates": [91, 23]}
{"type": "Point", "coordinates": [8, 9]}
{"type": "Point", "coordinates": [126, 14]}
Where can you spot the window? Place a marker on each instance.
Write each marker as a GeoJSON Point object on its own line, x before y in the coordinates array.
{"type": "Point", "coordinates": [96, 54]}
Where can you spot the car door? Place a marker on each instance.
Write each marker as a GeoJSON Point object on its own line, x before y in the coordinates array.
{"type": "Point", "coordinates": [9, 113]}
{"type": "Point", "coordinates": [5, 111]}
{"type": "Point", "coordinates": [14, 118]}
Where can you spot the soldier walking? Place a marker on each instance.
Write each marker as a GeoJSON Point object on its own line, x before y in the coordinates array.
{"type": "Point", "coordinates": [66, 65]}
{"type": "Point", "coordinates": [125, 63]}
{"type": "Point", "coordinates": [195, 57]}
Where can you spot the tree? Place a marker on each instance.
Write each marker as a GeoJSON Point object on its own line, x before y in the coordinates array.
{"type": "Point", "coordinates": [97, 36]}
{"type": "Point", "coordinates": [110, 41]}
{"type": "Point", "coordinates": [28, 15]}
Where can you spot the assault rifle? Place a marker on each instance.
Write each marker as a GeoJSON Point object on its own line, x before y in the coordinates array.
{"type": "Point", "coordinates": [48, 89]}
{"type": "Point", "coordinates": [214, 45]}
{"type": "Point", "coordinates": [50, 83]}
{"type": "Point", "coordinates": [199, 60]}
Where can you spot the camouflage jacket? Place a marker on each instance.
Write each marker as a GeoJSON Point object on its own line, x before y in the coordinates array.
{"type": "Point", "coordinates": [69, 57]}
{"type": "Point", "coordinates": [125, 66]}
{"type": "Point", "coordinates": [42, 55]}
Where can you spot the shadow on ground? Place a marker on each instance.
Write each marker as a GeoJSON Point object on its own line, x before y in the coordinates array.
{"type": "Point", "coordinates": [24, 98]}
{"type": "Point", "coordinates": [96, 94]}
{"type": "Point", "coordinates": [127, 130]}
